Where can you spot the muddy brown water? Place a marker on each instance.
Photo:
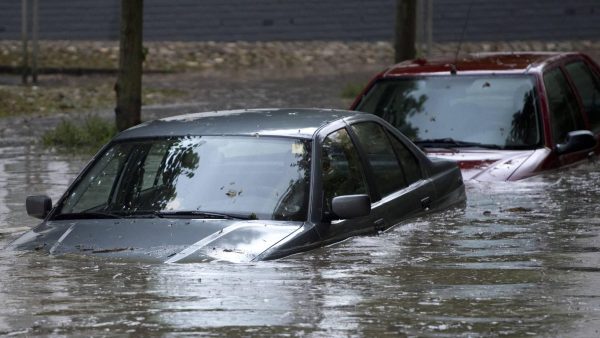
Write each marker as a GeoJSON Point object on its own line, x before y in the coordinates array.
{"type": "Point", "coordinates": [521, 259]}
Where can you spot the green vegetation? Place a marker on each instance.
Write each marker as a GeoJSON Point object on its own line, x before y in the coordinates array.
{"type": "Point", "coordinates": [20, 100]}
{"type": "Point", "coordinates": [63, 56]}
{"type": "Point", "coordinates": [351, 90]}
{"type": "Point", "coordinates": [87, 136]}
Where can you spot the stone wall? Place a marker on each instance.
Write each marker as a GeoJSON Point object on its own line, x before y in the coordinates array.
{"type": "Point", "coordinates": [308, 56]}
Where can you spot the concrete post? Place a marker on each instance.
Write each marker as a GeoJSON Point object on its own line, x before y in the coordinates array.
{"type": "Point", "coordinates": [24, 38]}
{"type": "Point", "coordinates": [429, 28]}
{"type": "Point", "coordinates": [35, 47]}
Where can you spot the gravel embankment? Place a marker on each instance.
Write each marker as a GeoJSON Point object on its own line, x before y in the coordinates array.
{"type": "Point", "coordinates": [310, 56]}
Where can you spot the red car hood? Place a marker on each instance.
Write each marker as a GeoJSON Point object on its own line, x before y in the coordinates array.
{"type": "Point", "coordinates": [493, 165]}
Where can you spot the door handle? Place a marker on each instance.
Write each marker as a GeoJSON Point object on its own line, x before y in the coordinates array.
{"type": "Point", "coordinates": [426, 203]}
{"type": "Point", "coordinates": [379, 224]}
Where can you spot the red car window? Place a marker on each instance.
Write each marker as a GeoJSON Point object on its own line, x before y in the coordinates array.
{"type": "Point", "coordinates": [588, 86]}
{"type": "Point", "coordinates": [562, 102]}
{"type": "Point", "coordinates": [503, 107]}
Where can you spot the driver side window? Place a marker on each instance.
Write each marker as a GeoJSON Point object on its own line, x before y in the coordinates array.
{"type": "Point", "coordinates": [342, 172]}
{"type": "Point", "coordinates": [564, 109]}
{"type": "Point", "coordinates": [588, 85]}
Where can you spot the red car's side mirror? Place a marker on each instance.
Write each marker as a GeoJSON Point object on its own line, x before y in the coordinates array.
{"type": "Point", "coordinates": [577, 140]}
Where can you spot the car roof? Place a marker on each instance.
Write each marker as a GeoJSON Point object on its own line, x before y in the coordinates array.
{"type": "Point", "coordinates": [290, 122]}
{"type": "Point", "coordinates": [497, 62]}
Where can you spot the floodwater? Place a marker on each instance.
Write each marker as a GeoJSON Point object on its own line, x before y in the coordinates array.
{"type": "Point", "coordinates": [521, 259]}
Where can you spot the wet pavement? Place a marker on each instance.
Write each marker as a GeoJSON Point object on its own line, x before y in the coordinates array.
{"type": "Point", "coordinates": [521, 259]}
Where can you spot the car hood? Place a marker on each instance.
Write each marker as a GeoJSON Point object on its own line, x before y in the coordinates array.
{"type": "Point", "coordinates": [491, 165]}
{"type": "Point", "coordinates": [159, 240]}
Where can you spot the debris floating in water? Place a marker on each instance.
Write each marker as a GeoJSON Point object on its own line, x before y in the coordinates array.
{"type": "Point", "coordinates": [517, 209]}
{"type": "Point", "coordinates": [7, 231]}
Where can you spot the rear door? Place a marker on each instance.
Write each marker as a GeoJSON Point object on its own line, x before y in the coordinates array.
{"type": "Point", "coordinates": [399, 184]}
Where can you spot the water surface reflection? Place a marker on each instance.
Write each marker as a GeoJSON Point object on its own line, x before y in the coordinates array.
{"type": "Point", "coordinates": [521, 259]}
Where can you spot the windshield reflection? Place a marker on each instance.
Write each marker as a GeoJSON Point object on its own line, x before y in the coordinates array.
{"type": "Point", "coordinates": [246, 177]}
{"type": "Point", "coordinates": [480, 109]}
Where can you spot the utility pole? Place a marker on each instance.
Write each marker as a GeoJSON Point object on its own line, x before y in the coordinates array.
{"type": "Point", "coordinates": [129, 81]}
{"type": "Point", "coordinates": [406, 30]}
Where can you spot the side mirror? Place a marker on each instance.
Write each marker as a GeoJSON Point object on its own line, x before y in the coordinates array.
{"type": "Point", "coordinates": [576, 140]}
{"type": "Point", "coordinates": [38, 206]}
{"type": "Point", "coordinates": [351, 206]}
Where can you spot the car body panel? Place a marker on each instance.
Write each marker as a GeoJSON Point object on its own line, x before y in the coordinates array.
{"type": "Point", "coordinates": [263, 122]}
{"type": "Point", "coordinates": [159, 240]}
{"type": "Point", "coordinates": [509, 62]}
{"type": "Point", "coordinates": [446, 180]}
{"type": "Point", "coordinates": [484, 164]}
{"type": "Point", "coordinates": [185, 239]}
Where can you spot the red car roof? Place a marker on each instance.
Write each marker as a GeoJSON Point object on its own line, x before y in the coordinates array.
{"type": "Point", "coordinates": [512, 62]}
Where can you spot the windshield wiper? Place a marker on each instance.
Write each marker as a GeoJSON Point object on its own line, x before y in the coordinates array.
{"type": "Point", "coordinates": [151, 214]}
{"type": "Point", "coordinates": [197, 214]}
{"type": "Point", "coordinates": [86, 215]}
{"type": "Point", "coordinates": [450, 142]}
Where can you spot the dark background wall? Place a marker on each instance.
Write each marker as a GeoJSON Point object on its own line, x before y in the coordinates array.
{"type": "Point", "coordinates": [494, 20]}
{"type": "Point", "coordinates": [65, 19]}
{"type": "Point", "coordinates": [263, 20]}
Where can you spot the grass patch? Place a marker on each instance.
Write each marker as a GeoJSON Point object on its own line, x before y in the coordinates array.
{"type": "Point", "coordinates": [351, 90]}
{"type": "Point", "coordinates": [23, 100]}
{"type": "Point", "coordinates": [76, 96]}
{"type": "Point", "coordinates": [87, 136]}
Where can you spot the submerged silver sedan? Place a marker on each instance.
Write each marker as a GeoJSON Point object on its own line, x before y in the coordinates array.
{"type": "Point", "coordinates": [243, 185]}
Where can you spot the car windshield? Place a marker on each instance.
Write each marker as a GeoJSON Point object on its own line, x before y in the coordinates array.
{"type": "Point", "coordinates": [493, 111]}
{"type": "Point", "coordinates": [209, 176]}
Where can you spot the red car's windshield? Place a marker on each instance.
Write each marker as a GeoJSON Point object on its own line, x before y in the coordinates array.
{"type": "Point", "coordinates": [488, 110]}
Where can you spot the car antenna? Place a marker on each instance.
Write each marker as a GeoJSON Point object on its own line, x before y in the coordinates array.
{"type": "Point", "coordinates": [462, 37]}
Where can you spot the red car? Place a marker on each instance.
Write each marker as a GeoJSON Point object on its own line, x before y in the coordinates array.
{"type": "Point", "coordinates": [501, 116]}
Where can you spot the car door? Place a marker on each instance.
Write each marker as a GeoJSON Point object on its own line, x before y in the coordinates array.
{"type": "Point", "coordinates": [342, 172]}
{"type": "Point", "coordinates": [399, 185]}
